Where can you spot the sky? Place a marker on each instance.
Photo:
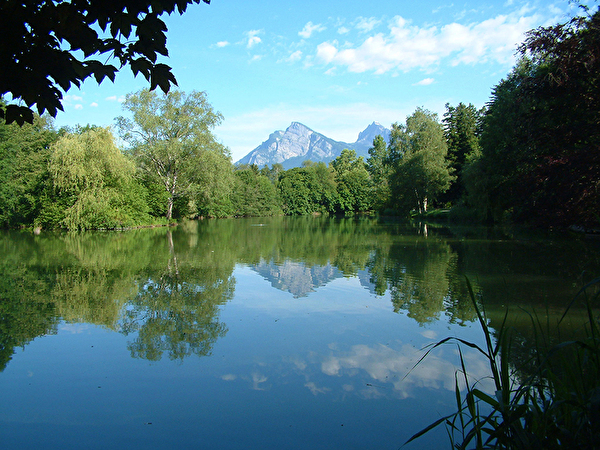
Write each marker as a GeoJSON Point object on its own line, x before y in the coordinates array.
{"type": "Point", "coordinates": [335, 66]}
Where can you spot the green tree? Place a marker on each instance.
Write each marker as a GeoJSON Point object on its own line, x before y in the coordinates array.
{"type": "Point", "coordinates": [540, 144]}
{"type": "Point", "coordinates": [94, 182]}
{"type": "Point", "coordinates": [353, 183]}
{"type": "Point", "coordinates": [214, 184]}
{"type": "Point", "coordinates": [273, 173]}
{"type": "Point", "coordinates": [48, 46]}
{"type": "Point", "coordinates": [346, 162]}
{"type": "Point", "coordinates": [24, 156]}
{"type": "Point", "coordinates": [308, 190]}
{"type": "Point", "coordinates": [170, 138]}
{"type": "Point", "coordinates": [378, 166]}
{"type": "Point", "coordinates": [461, 125]}
{"type": "Point", "coordinates": [418, 152]}
{"type": "Point", "coordinates": [254, 194]}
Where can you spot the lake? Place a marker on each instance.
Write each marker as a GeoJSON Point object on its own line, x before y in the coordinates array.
{"type": "Point", "coordinates": [271, 333]}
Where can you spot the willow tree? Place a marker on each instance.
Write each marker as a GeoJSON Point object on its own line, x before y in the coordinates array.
{"type": "Point", "coordinates": [94, 184]}
{"type": "Point", "coordinates": [170, 136]}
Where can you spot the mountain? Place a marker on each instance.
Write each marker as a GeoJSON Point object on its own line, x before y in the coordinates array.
{"type": "Point", "coordinates": [296, 277]}
{"type": "Point", "coordinates": [365, 138]}
{"type": "Point", "coordinates": [300, 279]}
{"type": "Point", "coordinates": [299, 143]}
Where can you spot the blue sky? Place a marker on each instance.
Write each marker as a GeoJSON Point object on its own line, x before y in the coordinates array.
{"type": "Point", "coordinates": [336, 66]}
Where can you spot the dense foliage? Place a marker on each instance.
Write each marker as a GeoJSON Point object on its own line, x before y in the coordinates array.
{"type": "Point", "coordinates": [94, 183]}
{"type": "Point", "coordinates": [171, 140]}
{"type": "Point", "coordinates": [24, 155]}
{"type": "Point", "coordinates": [540, 139]}
{"type": "Point", "coordinates": [48, 46]}
{"type": "Point", "coordinates": [418, 158]}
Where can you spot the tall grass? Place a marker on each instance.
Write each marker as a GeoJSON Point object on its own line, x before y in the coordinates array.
{"type": "Point", "coordinates": [551, 401]}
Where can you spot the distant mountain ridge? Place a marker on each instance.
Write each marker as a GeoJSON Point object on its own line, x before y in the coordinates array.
{"type": "Point", "coordinates": [299, 143]}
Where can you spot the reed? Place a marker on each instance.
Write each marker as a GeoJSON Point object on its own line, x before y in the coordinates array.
{"type": "Point", "coordinates": [552, 400]}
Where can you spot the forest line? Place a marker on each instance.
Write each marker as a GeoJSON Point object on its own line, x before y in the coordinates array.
{"type": "Point", "coordinates": [531, 155]}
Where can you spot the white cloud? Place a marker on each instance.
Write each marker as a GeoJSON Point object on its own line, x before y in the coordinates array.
{"type": "Point", "coordinates": [326, 51]}
{"type": "Point", "coordinates": [79, 106]}
{"type": "Point", "coordinates": [309, 29]}
{"type": "Point", "coordinates": [406, 46]}
{"type": "Point", "coordinates": [296, 56]}
{"type": "Point", "coordinates": [257, 380]}
{"type": "Point", "coordinates": [252, 38]}
{"type": "Point", "coordinates": [114, 98]}
{"type": "Point", "coordinates": [256, 58]}
{"type": "Point", "coordinates": [316, 390]}
{"type": "Point", "coordinates": [68, 99]}
{"type": "Point", "coordinates": [94, 105]}
{"type": "Point", "coordinates": [365, 25]}
{"type": "Point", "coordinates": [439, 8]}
{"type": "Point", "coordinates": [424, 82]}
{"type": "Point", "coordinates": [388, 366]}
{"type": "Point", "coordinates": [222, 44]}
{"type": "Point", "coordinates": [343, 30]}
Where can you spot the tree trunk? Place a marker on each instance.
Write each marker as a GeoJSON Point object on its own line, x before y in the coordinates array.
{"type": "Point", "coordinates": [170, 208]}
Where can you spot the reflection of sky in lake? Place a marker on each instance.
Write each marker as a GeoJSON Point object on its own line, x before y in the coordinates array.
{"type": "Point", "coordinates": [328, 370]}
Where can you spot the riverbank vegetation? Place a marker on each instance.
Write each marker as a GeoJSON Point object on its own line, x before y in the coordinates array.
{"type": "Point", "coordinates": [531, 155]}
{"type": "Point", "coordinates": [546, 397]}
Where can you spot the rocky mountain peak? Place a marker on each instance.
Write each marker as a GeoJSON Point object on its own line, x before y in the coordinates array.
{"type": "Point", "coordinates": [371, 132]}
{"type": "Point", "coordinates": [299, 143]}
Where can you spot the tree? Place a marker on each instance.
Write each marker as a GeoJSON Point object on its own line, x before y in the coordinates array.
{"type": "Point", "coordinates": [418, 151]}
{"type": "Point", "coordinates": [48, 46]}
{"type": "Point", "coordinates": [378, 166]}
{"type": "Point", "coordinates": [461, 124]}
{"type": "Point", "coordinates": [94, 184]}
{"type": "Point", "coordinates": [24, 156]}
{"type": "Point", "coordinates": [540, 144]}
{"type": "Point", "coordinates": [353, 182]}
{"type": "Point", "coordinates": [308, 190]}
{"type": "Point", "coordinates": [254, 194]}
{"type": "Point", "coordinates": [273, 173]}
{"type": "Point", "coordinates": [215, 183]}
{"type": "Point", "coordinates": [169, 136]}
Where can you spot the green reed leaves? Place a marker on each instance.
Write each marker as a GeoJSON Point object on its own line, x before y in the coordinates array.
{"type": "Point", "coordinates": [550, 400]}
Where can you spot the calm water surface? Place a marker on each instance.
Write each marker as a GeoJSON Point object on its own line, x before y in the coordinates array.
{"type": "Point", "coordinates": [276, 333]}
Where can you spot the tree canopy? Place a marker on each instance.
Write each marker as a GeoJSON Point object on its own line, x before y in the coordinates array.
{"type": "Point", "coordinates": [48, 46]}
{"type": "Point", "coordinates": [170, 137]}
{"type": "Point", "coordinates": [95, 182]}
{"type": "Point", "coordinates": [418, 151]}
{"type": "Point", "coordinates": [540, 144]}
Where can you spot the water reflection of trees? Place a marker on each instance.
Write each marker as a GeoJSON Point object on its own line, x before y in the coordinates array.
{"type": "Point", "coordinates": [417, 266]}
{"type": "Point", "coordinates": [164, 287]}
{"type": "Point", "coordinates": [176, 309]}
{"type": "Point", "coordinates": [146, 283]}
